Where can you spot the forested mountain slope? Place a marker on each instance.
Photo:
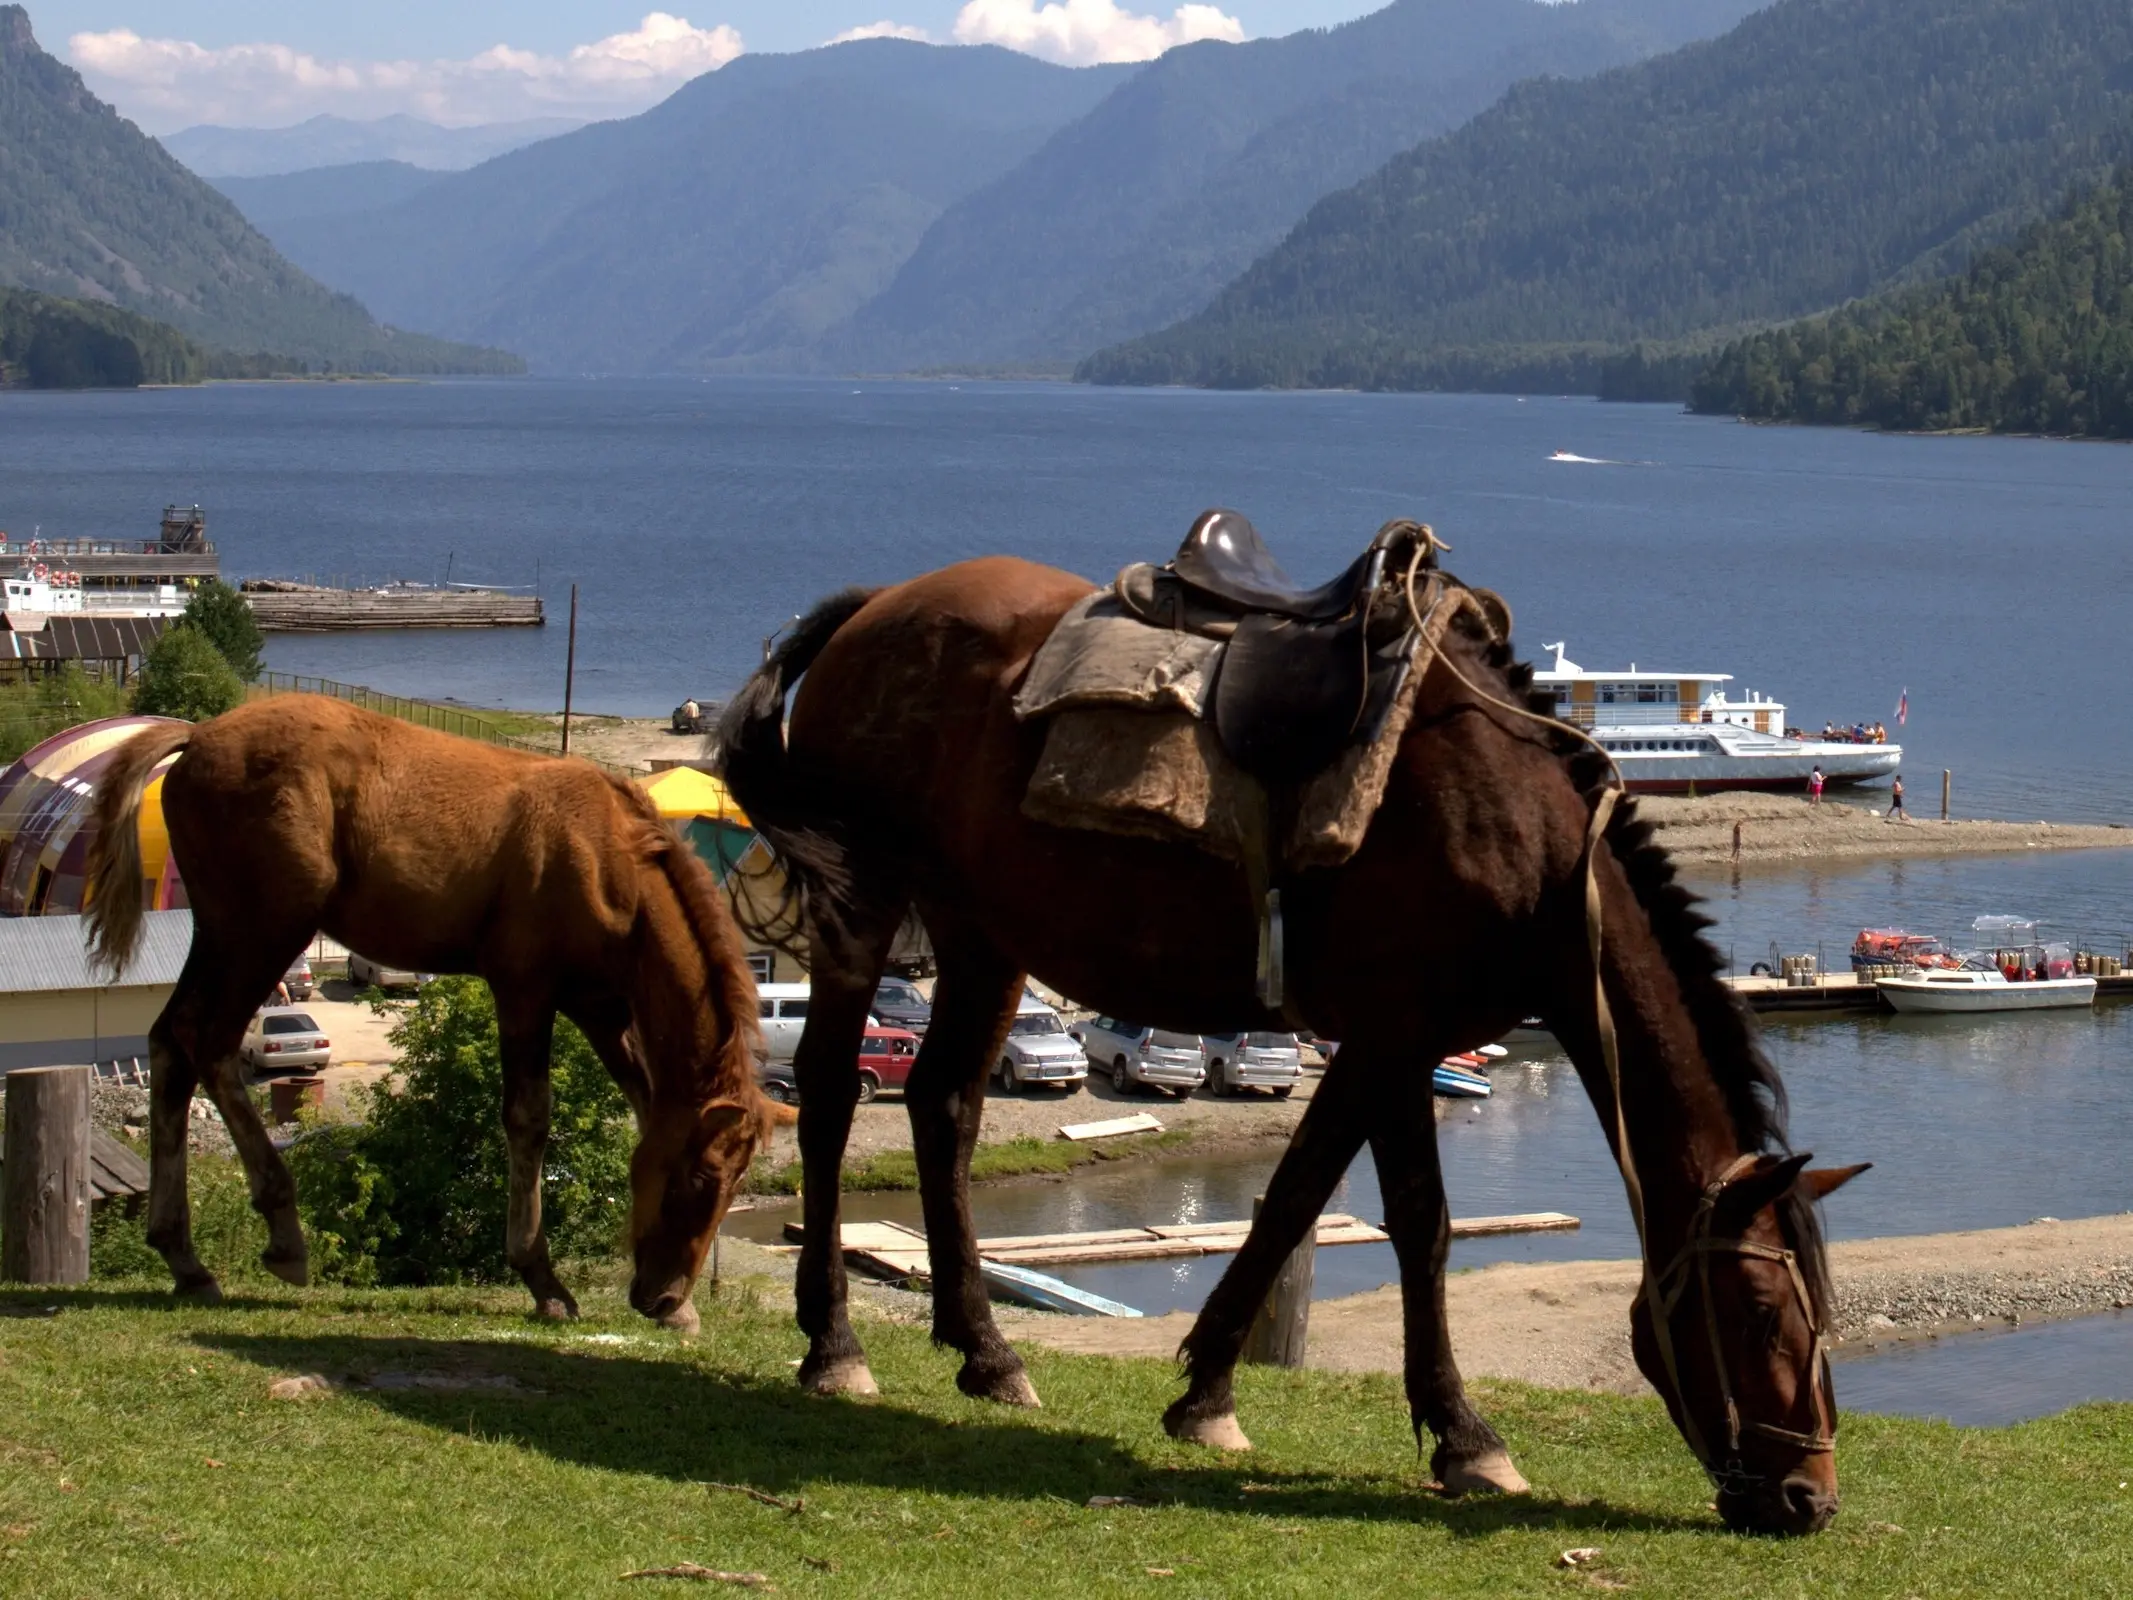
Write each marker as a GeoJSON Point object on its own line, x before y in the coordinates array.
{"type": "Point", "coordinates": [728, 226]}
{"type": "Point", "coordinates": [284, 197]}
{"type": "Point", "coordinates": [1137, 214]}
{"type": "Point", "coordinates": [49, 342]}
{"type": "Point", "coordinates": [2033, 338]}
{"type": "Point", "coordinates": [1821, 150]}
{"type": "Point", "coordinates": [329, 141]}
{"type": "Point", "coordinates": [93, 209]}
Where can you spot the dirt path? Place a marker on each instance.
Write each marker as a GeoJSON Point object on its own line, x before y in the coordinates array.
{"type": "Point", "coordinates": [1786, 829]}
{"type": "Point", "coordinates": [1566, 1324]}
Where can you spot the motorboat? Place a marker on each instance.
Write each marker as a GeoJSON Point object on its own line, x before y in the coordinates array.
{"type": "Point", "coordinates": [1458, 1078]}
{"type": "Point", "coordinates": [1972, 989]}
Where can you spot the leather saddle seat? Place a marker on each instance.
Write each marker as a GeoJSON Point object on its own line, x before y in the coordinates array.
{"type": "Point", "coordinates": [1302, 673]}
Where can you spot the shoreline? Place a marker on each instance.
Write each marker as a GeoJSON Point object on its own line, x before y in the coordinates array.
{"type": "Point", "coordinates": [1565, 1324]}
{"type": "Point", "coordinates": [1784, 830]}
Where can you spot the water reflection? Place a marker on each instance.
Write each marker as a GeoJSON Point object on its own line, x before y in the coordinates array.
{"type": "Point", "coordinates": [1987, 1380]}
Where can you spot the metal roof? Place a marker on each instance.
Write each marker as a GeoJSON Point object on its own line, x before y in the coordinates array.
{"type": "Point", "coordinates": [38, 954]}
{"type": "Point", "coordinates": [78, 638]}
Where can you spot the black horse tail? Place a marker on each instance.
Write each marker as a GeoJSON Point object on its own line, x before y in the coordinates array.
{"type": "Point", "coordinates": [783, 806]}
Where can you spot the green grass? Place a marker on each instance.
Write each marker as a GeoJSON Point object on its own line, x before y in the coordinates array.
{"type": "Point", "coordinates": [1011, 1158]}
{"type": "Point", "coordinates": [140, 1454]}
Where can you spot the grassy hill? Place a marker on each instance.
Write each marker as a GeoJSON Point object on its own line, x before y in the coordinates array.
{"type": "Point", "coordinates": [726, 227]}
{"type": "Point", "coordinates": [92, 209]}
{"type": "Point", "coordinates": [1821, 150]}
{"type": "Point", "coordinates": [2033, 338]}
{"type": "Point", "coordinates": [462, 1449]}
{"type": "Point", "coordinates": [1140, 212]}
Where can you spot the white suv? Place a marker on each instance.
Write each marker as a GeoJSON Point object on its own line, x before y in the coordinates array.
{"type": "Point", "coordinates": [1143, 1058]}
{"type": "Point", "coordinates": [1039, 1050]}
{"type": "Point", "coordinates": [1240, 1061]}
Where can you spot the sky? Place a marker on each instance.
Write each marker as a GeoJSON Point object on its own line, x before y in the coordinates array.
{"type": "Point", "coordinates": [169, 64]}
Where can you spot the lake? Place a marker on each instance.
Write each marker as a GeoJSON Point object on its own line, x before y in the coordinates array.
{"type": "Point", "coordinates": [1989, 577]}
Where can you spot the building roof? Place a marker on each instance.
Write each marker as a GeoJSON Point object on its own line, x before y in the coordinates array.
{"type": "Point", "coordinates": [60, 637]}
{"type": "Point", "coordinates": [38, 954]}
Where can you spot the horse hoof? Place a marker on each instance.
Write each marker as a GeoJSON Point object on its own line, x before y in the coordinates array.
{"type": "Point", "coordinates": [1215, 1433]}
{"type": "Point", "coordinates": [1010, 1388]}
{"type": "Point", "coordinates": [201, 1291]}
{"type": "Point", "coordinates": [682, 1319]}
{"type": "Point", "coordinates": [292, 1270]}
{"type": "Point", "coordinates": [556, 1308]}
{"type": "Point", "coordinates": [840, 1377]}
{"type": "Point", "coordinates": [1491, 1473]}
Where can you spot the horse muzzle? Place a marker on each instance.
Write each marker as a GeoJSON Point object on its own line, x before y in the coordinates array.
{"type": "Point", "coordinates": [1787, 1507]}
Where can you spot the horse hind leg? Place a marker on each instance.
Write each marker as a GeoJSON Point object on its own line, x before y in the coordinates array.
{"type": "Point", "coordinates": [172, 1078]}
{"type": "Point", "coordinates": [1470, 1458]}
{"type": "Point", "coordinates": [527, 1035]}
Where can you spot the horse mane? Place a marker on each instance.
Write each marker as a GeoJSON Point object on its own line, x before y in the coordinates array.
{"type": "Point", "coordinates": [1746, 1077]}
{"type": "Point", "coordinates": [717, 936]}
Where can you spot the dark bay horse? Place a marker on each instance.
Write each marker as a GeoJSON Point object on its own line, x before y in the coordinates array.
{"type": "Point", "coordinates": [556, 883]}
{"type": "Point", "coordinates": [900, 785]}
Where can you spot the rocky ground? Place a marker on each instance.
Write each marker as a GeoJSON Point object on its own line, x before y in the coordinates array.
{"type": "Point", "coordinates": [633, 743]}
{"type": "Point", "coordinates": [1785, 828]}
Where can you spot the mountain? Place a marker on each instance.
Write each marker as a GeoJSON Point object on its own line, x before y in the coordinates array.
{"type": "Point", "coordinates": [326, 141]}
{"type": "Point", "coordinates": [47, 342]}
{"type": "Point", "coordinates": [92, 209]}
{"type": "Point", "coordinates": [2033, 338]}
{"type": "Point", "coordinates": [323, 191]}
{"type": "Point", "coordinates": [726, 227]}
{"type": "Point", "coordinates": [1821, 150]}
{"type": "Point", "coordinates": [1139, 213]}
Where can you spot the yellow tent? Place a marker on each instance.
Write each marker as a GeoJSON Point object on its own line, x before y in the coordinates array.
{"type": "Point", "coordinates": [686, 792]}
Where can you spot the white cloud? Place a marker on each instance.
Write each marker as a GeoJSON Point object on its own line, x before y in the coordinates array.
{"type": "Point", "coordinates": [883, 30]}
{"type": "Point", "coordinates": [1079, 32]}
{"type": "Point", "coordinates": [172, 83]}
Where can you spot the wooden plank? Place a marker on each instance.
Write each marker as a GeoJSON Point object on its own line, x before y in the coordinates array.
{"type": "Point", "coordinates": [1048, 1241]}
{"type": "Point", "coordinates": [1521, 1222]}
{"type": "Point", "coordinates": [1201, 1230]}
{"type": "Point", "coordinates": [1111, 1128]}
{"type": "Point", "coordinates": [890, 1263]}
{"type": "Point", "coordinates": [866, 1235]}
{"type": "Point", "coordinates": [126, 1171]}
{"type": "Point", "coordinates": [1146, 1250]}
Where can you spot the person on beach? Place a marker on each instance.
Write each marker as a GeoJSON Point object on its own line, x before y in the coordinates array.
{"type": "Point", "coordinates": [1736, 840]}
{"type": "Point", "coordinates": [1814, 787]}
{"type": "Point", "coordinates": [1896, 801]}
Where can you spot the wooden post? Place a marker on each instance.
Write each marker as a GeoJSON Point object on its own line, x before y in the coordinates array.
{"type": "Point", "coordinates": [44, 1179]}
{"type": "Point", "coordinates": [1280, 1331]}
{"type": "Point", "coordinates": [570, 667]}
{"type": "Point", "coordinates": [1945, 777]}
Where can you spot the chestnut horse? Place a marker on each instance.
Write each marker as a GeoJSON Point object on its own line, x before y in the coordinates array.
{"type": "Point", "coordinates": [900, 785]}
{"type": "Point", "coordinates": [559, 885]}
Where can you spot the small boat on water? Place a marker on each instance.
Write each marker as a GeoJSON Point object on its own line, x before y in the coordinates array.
{"type": "Point", "coordinates": [1457, 1078]}
{"type": "Point", "coordinates": [1975, 989]}
{"type": "Point", "coordinates": [1047, 1293]}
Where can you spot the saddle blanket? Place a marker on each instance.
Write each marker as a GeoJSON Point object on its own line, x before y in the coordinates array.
{"type": "Point", "coordinates": [1129, 747]}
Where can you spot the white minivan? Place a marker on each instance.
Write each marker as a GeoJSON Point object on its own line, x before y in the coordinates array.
{"type": "Point", "coordinates": [783, 1009]}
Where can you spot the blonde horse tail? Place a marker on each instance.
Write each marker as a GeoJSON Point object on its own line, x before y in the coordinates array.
{"type": "Point", "coordinates": [114, 887]}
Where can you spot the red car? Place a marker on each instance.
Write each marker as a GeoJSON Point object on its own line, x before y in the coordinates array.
{"type": "Point", "coordinates": [885, 1058]}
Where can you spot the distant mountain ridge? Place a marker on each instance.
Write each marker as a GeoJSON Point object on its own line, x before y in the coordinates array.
{"type": "Point", "coordinates": [1140, 212]}
{"type": "Point", "coordinates": [726, 228]}
{"type": "Point", "coordinates": [282, 197]}
{"type": "Point", "coordinates": [329, 141]}
{"type": "Point", "coordinates": [1821, 150]}
{"type": "Point", "coordinates": [92, 209]}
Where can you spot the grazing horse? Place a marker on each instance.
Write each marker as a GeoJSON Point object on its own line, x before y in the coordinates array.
{"type": "Point", "coordinates": [900, 784]}
{"type": "Point", "coordinates": [553, 881]}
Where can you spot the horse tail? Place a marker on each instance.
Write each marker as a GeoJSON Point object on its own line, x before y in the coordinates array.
{"type": "Point", "coordinates": [756, 767]}
{"type": "Point", "coordinates": [114, 877]}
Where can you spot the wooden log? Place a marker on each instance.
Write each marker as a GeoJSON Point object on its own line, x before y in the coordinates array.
{"type": "Point", "coordinates": [1282, 1329]}
{"type": "Point", "coordinates": [44, 1182]}
{"type": "Point", "coordinates": [1518, 1222]}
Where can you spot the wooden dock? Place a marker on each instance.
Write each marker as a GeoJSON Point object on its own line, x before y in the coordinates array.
{"type": "Point", "coordinates": [282, 607]}
{"type": "Point", "coordinates": [893, 1251]}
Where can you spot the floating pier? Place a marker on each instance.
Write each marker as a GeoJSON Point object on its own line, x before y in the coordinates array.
{"type": "Point", "coordinates": [280, 606]}
{"type": "Point", "coordinates": [1846, 991]}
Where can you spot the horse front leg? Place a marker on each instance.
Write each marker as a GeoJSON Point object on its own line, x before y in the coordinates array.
{"type": "Point", "coordinates": [973, 1003]}
{"type": "Point", "coordinates": [527, 1035]}
{"type": "Point", "coordinates": [1325, 1142]}
{"type": "Point", "coordinates": [1470, 1457]}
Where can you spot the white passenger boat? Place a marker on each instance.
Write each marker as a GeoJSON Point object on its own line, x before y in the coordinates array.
{"type": "Point", "coordinates": [1983, 990]}
{"type": "Point", "coordinates": [1671, 732]}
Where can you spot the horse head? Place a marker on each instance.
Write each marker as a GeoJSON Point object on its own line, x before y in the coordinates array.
{"type": "Point", "coordinates": [684, 1174]}
{"type": "Point", "coordinates": [1733, 1333]}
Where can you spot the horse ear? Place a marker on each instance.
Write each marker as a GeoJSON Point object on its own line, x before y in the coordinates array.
{"type": "Point", "coordinates": [1761, 1185]}
{"type": "Point", "coordinates": [1823, 1182]}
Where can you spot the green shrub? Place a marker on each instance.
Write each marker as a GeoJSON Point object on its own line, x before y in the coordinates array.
{"type": "Point", "coordinates": [417, 1193]}
{"type": "Point", "coordinates": [225, 616]}
{"type": "Point", "coordinates": [185, 676]}
{"type": "Point", "coordinates": [33, 710]}
{"type": "Point", "coordinates": [227, 1233]}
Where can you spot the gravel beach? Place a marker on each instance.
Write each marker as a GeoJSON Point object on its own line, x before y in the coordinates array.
{"type": "Point", "coordinates": [1785, 829]}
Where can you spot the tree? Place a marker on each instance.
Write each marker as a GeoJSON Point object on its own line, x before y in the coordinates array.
{"type": "Point", "coordinates": [35, 709]}
{"type": "Point", "coordinates": [185, 676]}
{"type": "Point", "coordinates": [225, 616]}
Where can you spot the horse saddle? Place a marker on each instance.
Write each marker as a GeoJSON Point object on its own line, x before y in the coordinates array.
{"type": "Point", "coordinates": [1302, 673]}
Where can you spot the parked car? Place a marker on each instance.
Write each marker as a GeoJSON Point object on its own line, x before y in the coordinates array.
{"type": "Point", "coordinates": [701, 720]}
{"type": "Point", "coordinates": [898, 1004]}
{"type": "Point", "coordinates": [1039, 1050]}
{"type": "Point", "coordinates": [365, 973]}
{"type": "Point", "coordinates": [298, 980]}
{"type": "Point", "coordinates": [885, 1059]}
{"type": "Point", "coordinates": [782, 1008]}
{"type": "Point", "coordinates": [1143, 1058]}
{"type": "Point", "coordinates": [282, 1039]}
{"type": "Point", "coordinates": [1240, 1061]}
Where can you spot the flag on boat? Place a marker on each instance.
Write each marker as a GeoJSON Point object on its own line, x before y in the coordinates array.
{"type": "Point", "coordinates": [1903, 707]}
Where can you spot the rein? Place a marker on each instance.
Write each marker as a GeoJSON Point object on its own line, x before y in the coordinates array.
{"type": "Point", "coordinates": [1663, 1291]}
